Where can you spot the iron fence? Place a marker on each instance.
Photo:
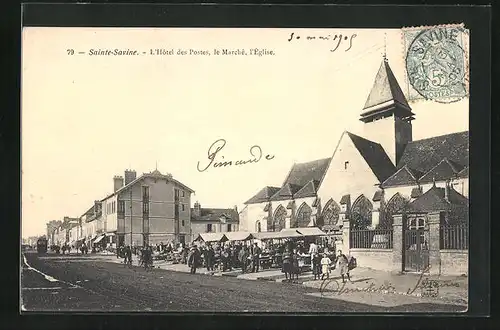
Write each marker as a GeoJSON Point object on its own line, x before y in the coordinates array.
{"type": "Point", "coordinates": [454, 237]}
{"type": "Point", "coordinates": [371, 238]}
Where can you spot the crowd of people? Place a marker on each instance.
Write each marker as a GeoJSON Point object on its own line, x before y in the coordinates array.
{"type": "Point", "coordinates": [291, 256]}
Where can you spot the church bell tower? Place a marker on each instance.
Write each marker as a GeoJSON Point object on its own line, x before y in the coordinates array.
{"type": "Point", "coordinates": [387, 115]}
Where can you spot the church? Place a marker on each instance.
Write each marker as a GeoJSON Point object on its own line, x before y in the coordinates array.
{"type": "Point", "coordinates": [369, 178]}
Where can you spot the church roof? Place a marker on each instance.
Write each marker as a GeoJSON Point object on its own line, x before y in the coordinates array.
{"type": "Point", "coordinates": [424, 154]}
{"type": "Point", "coordinates": [286, 192]}
{"type": "Point", "coordinates": [464, 173]}
{"type": "Point", "coordinates": [309, 190]}
{"type": "Point", "coordinates": [416, 192]}
{"type": "Point", "coordinates": [443, 171]}
{"type": "Point", "coordinates": [403, 176]}
{"type": "Point", "coordinates": [302, 173]}
{"type": "Point", "coordinates": [263, 195]}
{"type": "Point", "coordinates": [385, 92]}
{"type": "Point", "coordinates": [434, 200]}
{"type": "Point", "coordinates": [375, 157]}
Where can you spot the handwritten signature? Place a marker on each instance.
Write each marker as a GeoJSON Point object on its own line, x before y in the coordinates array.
{"type": "Point", "coordinates": [339, 38]}
{"type": "Point", "coordinates": [218, 145]}
{"type": "Point", "coordinates": [372, 287]}
{"type": "Point", "coordinates": [429, 287]}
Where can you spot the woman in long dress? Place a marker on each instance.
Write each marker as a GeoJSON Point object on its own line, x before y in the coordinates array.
{"type": "Point", "coordinates": [343, 263]}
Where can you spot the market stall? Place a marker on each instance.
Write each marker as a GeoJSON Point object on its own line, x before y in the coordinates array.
{"type": "Point", "coordinates": [211, 237]}
{"type": "Point", "coordinates": [308, 233]}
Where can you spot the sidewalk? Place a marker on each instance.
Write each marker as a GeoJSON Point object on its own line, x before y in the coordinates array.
{"type": "Point", "coordinates": [367, 285]}
{"type": "Point", "coordinates": [448, 289]}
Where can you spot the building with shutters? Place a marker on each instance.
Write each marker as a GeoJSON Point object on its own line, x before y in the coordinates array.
{"type": "Point", "coordinates": [148, 209]}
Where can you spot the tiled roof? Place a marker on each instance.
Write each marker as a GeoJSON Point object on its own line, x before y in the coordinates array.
{"type": "Point", "coordinates": [378, 195]}
{"type": "Point", "coordinates": [434, 200]}
{"type": "Point", "coordinates": [309, 190]}
{"type": "Point", "coordinates": [263, 195]}
{"type": "Point", "coordinates": [443, 171]}
{"type": "Point", "coordinates": [286, 192]}
{"type": "Point", "coordinates": [375, 157]}
{"type": "Point", "coordinates": [211, 214]}
{"type": "Point", "coordinates": [385, 89]}
{"type": "Point", "coordinates": [302, 173]}
{"type": "Point", "coordinates": [155, 175]}
{"type": "Point", "coordinates": [423, 155]}
{"type": "Point", "coordinates": [416, 192]}
{"type": "Point", "coordinates": [346, 199]}
{"type": "Point", "coordinates": [464, 173]}
{"type": "Point", "coordinates": [403, 176]}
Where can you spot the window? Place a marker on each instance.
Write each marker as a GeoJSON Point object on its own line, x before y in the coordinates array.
{"type": "Point", "coordinates": [183, 194]}
{"type": "Point", "coordinates": [145, 208]}
{"type": "Point", "coordinates": [209, 228]}
{"type": "Point", "coordinates": [303, 217]}
{"type": "Point", "coordinates": [183, 223]}
{"type": "Point", "coordinates": [145, 193]}
{"type": "Point", "coordinates": [121, 208]}
{"type": "Point", "coordinates": [228, 227]}
{"type": "Point", "coordinates": [183, 207]}
{"type": "Point", "coordinates": [346, 163]}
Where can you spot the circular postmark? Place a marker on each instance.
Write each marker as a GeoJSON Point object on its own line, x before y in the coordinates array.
{"type": "Point", "coordinates": [435, 64]}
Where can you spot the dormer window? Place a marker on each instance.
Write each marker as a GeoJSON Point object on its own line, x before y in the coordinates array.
{"type": "Point", "coordinates": [346, 163]}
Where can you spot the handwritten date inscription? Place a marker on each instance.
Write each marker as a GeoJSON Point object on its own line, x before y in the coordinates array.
{"type": "Point", "coordinates": [335, 39]}
{"type": "Point", "coordinates": [216, 148]}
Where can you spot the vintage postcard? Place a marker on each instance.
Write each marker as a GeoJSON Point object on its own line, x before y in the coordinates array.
{"type": "Point", "coordinates": [245, 170]}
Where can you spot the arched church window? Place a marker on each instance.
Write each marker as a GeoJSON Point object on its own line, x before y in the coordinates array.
{"type": "Point", "coordinates": [303, 217]}
{"type": "Point", "coordinates": [361, 213]}
{"type": "Point", "coordinates": [279, 218]}
{"type": "Point", "coordinates": [396, 205]}
{"type": "Point", "coordinates": [258, 227]}
{"type": "Point", "coordinates": [330, 213]}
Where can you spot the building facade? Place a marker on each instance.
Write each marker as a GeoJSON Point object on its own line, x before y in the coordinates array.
{"type": "Point", "coordinates": [149, 209]}
{"type": "Point", "coordinates": [369, 179]}
{"type": "Point", "coordinates": [213, 220]}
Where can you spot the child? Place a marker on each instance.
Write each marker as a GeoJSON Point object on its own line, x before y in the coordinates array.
{"type": "Point", "coordinates": [316, 263]}
{"type": "Point", "coordinates": [325, 266]}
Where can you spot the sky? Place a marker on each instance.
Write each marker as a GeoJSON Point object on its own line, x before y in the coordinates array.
{"type": "Point", "coordinates": [87, 118]}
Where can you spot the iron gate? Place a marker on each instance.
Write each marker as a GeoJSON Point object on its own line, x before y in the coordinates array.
{"type": "Point", "coordinates": [416, 250]}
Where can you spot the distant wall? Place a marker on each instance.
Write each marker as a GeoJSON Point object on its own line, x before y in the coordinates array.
{"type": "Point", "coordinates": [454, 262]}
{"type": "Point", "coordinates": [379, 259]}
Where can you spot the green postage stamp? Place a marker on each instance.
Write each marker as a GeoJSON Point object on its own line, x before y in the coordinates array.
{"type": "Point", "coordinates": [437, 65]}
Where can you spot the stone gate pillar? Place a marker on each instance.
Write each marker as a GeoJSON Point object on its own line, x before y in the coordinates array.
{"type": "Point", "coordinates": [346, 232]}
{"type": "Point", "coordinates": [397, 243]}
{"type": "Point", "coordinates": [434, 222]}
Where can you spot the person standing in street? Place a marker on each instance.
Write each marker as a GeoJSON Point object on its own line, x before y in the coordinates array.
{"type": "Point", "coordinates": [256, 258]}
{"type": "Point", "coordinates": [287, 264]}
{"type": "Point", "coordinates": [209, 258]}
{"type": "Point", "coordinates": [242, 257]}
{"type": "Point", "coordinates": [313, 249]}
{"type": "Point", "coordinates": [295, 265]}
{"type": "Point", "coordinates": [194, 259]}
{"type": "Point", "coordinates": [325, 266]}
{"type": "Point", "coordinates": [316, 265]}
{"type": "Point", "coordinates": [343, 263]}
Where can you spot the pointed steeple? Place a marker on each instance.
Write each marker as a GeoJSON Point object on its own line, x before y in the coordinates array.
{"type": "Point", "coordinates": [386, 97]}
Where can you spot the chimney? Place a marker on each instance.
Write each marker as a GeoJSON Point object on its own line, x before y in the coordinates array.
{"type": "Point", "coordinates": [130, 175]}
{"type": "Point", "coordinates": [197, 209]}
{"type": "Point", "coordinates": [236, 208]}
{"type": "Point", "coordinates": [117, 182]}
